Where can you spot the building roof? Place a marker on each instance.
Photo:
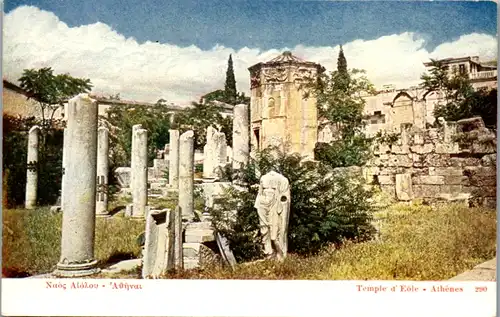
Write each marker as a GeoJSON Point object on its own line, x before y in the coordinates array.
{"type": "Point", "coordinates": [10, 85]}
{"type": "Point", "coordinates": [285, 58]}
{"type": "Point", "coordinates": [471, 59]}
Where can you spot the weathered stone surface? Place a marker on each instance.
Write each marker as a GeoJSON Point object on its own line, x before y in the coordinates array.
{"type": "Point", "coordinates": [446, 171]}
{"type": "Point", "coordinates": [209, 153]}
{"type": "Point", "coordinates": [480, 170]}
{"type": "Point", "coordinates": [404, 187]}
{"type": "Point", "coordinates": [159, 255]}
{"type": "Point", "coordinates": [227, 254]}
{"type": "Point", "coordinates": [386, 179]}
{"type": "Point", "coordinates": [66, 148]}
{"type": "Point", "coordinates": [122, 175]}
{"type": "Point", "coordinates": [273, 207]}
{"type": "Point", "coordinates": [132, 158]}
{"type": "Point", "coordinates": [173, 164]}
{"type": "Point", "coordinates": [178, 234]}
{"type": "Point", "coordinates": [429, 180]}
{"type": "Point", "coordinates": [456, 180]}
{"type": "Point", "coordinates": [159, 167]}
{"type": "Point", "coordinates": [241, 137]}
{"type": "Point", "coordinates": [32, 168]}
{"type": "Point", "coordinates": [78, 224]}
{"type": "Point", "coordinates": [438, 160]}
{"type": "Point", "coordinates": [140, 174]}
{"type": "Point", "coordinates": [489, 160]}
{"type": "Point", "coordinates": [400, 149]}
{"type": "Point", "coordinates": [476, 180]}
{"type": "Point", "coordinates": [426, 191]}
{"type": "Point", "coordinates": [186, 174]}
{"type": "Point", "coordinates": [101, 208]}
{"type": "Point", "coordinates": [422, 148]}
{"type": "Point", "coordinates": [389, 190]}
{"type": "Point", "coordinates": [399, 160]}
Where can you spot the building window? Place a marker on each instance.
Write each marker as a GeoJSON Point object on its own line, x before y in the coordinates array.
{"type": "Point", "coordinates": [461, 69]}
{"type": "Point", "coordinates": [373, 121]}
{"type": "Point", "coordinates": [257, 137]}
{"type": "Point", "coordinates": [377, 113]}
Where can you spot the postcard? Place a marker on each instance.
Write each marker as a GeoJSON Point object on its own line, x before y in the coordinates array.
{"type": "Point", "coordinates": [249, 158]}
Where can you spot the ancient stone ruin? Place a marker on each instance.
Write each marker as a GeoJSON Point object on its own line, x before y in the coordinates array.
{"type": "Point", "coordinates": [78, 224]}
{"type": "Point", "coordinates": [32, 170]}
{"type": "Point", "coordinates": [455, 162]}
{"type": "Point", "coordinates": [273, 207]}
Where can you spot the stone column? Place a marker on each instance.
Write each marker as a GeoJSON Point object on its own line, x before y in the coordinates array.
{"type": "Point", "coordinates": [132, 158]}
{"type": "Point", "coordinates": [186, 174]}
{"type": "Point", "coordinates": [178, 254]}
{"type": "Point", "coordinates": [173, 157]}
{"type": "Point", "coordinates": [102, 171]}
{"type": "Point", "coordinates": [209, 153]}
{"type": "Point", "coordinates": [241, 146]}
{"type": "Point", "coordinates": [140, 174]}
{"type": "Point", "coordinates": [78, 224]}
{"type": "Point", "coordinates": [32, 168]}
{"type": "Point", "coordinates": [66, 149]}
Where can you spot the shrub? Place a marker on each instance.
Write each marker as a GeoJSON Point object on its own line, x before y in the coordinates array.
{"type": "Point", "coordinates": [327, 206]}
{"type": "Point", "coordinates": [15, 143]}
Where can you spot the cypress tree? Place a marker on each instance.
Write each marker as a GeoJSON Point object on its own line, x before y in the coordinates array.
{"type": "Point", "coordinates": [230, 85]}
{"type": "Point", "coordinates": [341, 62]}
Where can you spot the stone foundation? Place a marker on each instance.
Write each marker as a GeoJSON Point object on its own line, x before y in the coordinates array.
{"type": "Point", "coordinates": [456, 162]}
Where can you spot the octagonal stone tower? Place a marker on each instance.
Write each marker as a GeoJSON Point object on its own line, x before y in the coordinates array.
{"type": "Point", "coordinates": [279, 113]}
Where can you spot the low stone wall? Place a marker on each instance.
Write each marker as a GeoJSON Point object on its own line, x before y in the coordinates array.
{"type": "Point", "coordinates": [455, 162]}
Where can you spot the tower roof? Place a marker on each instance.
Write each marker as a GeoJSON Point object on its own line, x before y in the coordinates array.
{"type": "Point", "coordinates": [286, 57]}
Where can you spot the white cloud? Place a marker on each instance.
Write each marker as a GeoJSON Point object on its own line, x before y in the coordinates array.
{"type": "Point", "coordinates": [34, 38]}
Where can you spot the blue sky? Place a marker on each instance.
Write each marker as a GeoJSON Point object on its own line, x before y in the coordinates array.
{"type": "Point", "coordinates": [389, 39]}
{"type": "Point", "coordinates": [267, 24]}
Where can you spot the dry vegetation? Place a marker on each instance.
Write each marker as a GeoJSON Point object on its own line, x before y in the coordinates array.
{"type": "Point", "coordinates": [418, 243]}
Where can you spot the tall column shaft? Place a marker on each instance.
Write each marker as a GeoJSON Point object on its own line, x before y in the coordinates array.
{"type": "Point", "coordinates": [186, 174]}
{"type": "Point", "coordinates": [173, 157]}
{"type": "Point", "coordinates": [32, 168]}
{"type": "Point", "coordinates": [140, 172]}
{"type": "Point", "coordinates": [78, 224]}
{"type": "Point", "coordinates": [102, 171]}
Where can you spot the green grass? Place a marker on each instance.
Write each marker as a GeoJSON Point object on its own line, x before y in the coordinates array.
{"type": "Point", "coordinates": [32, 240]}
{"type": "Point", "coordinates": [419, 243]}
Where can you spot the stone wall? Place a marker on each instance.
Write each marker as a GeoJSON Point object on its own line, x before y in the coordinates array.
{"type": "Point", "coordinates": [455, 162]}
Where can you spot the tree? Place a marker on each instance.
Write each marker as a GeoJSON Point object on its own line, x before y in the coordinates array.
{"type": "Point", "coordinates": [230, 85]}
{"type": "Point", "coordinates": [460, 100]}
{"type": "Point", "coordinates": [340, 102]}
{"type": "Point", "coordinates": [199, 117]}
{"type": "Point", "coordinates": [327, 206]}
{"type": "Point", "coordinates": [51, 91]}
{"type": "Point", "coordinates": [341, 62]}
{"type": "Point", "coordinates": [120, 120]}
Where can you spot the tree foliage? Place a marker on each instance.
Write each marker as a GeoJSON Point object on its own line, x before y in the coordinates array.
{"type": "Point", "coordinates": [51, 91]}
{"type": "Point", "coordinates": [120, 120]}
{"type": "Point", "coordinates": [199, 117]}
{"type": "Point", "coordinates": [327, 206]}
{"type": "Point", "coordinates": [340, 102]}
{"type": "Point", "coordinates": [459, 99]}
{"type": "Point", "coordinates": [230, 85]}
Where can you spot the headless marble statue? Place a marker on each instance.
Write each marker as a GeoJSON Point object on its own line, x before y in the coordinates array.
{"type": "Point", "coordinates": [273, 207]}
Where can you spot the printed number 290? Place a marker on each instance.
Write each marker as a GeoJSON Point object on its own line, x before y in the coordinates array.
{"type": "Point", "coordinates": [481, 289]}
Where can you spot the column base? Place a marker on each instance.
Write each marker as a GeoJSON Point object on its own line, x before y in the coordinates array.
{"type": "Point", "coordinates": [106, 215]}
{"type": "Point", "coordinates": [76, 270]}
{"type": "Point", "coordinates": [138, 218]}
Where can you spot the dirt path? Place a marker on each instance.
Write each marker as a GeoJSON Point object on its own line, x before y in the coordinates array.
{"type": "Point", "coordinates": [483, 272]}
